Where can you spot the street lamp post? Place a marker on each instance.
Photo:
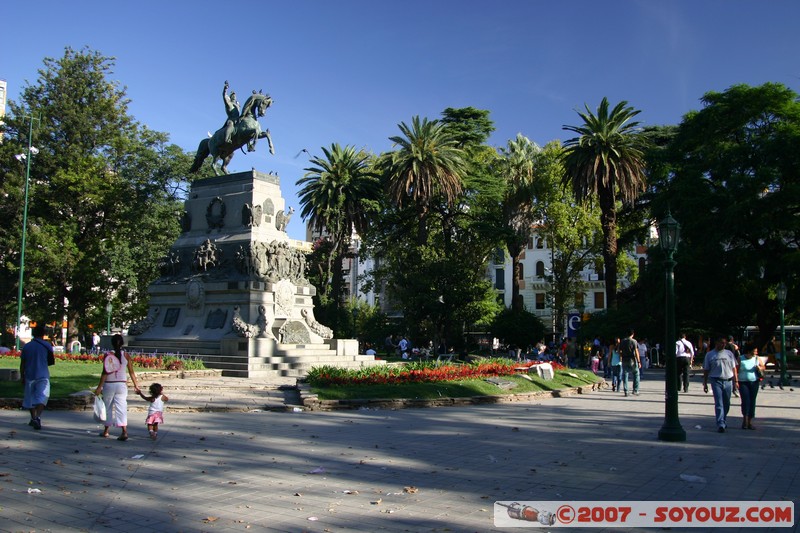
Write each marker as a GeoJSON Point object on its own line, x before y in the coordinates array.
{"type": "Point", "coordinates": [782, 303]}
{"type": "Point", "coordinates": [580, 307]}
{"type": "Point", "coordinates": [109, 308]}
{"type": "Point", "coordinates": [32, 150]}
{"type": "Point", "coordinates": [668, 234]}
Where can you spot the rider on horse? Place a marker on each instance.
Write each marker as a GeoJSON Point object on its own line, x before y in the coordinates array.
{"type": "Point", "coordinates": [231, 109]}
{"type": "Point", "coordinates": [240, 128]}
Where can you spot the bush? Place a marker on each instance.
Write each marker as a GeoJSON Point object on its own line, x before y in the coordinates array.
{"type": "Point", "coordinates": [517, 328]}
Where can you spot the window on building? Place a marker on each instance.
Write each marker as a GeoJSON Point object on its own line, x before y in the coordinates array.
{"type": "Point", "coordinates": [499, 256]}
{"type": "Point", "coordinates": [539, 269]}
{"type": "Point", "coordinates": [599, 300]}
{"type": "Point", "coordinates": [500, 279]}
{"type": "Point", "coordinates": [530, 243]}
{"type": "Point", "coordinates": [580, 300]}
{"type": "Point", "coordinates": [539, 243]}
{"type": "Point", "coordinates": [642, 263]}
{"type": "Point", "coordinates": [540, 300]}
{"type": "Point", "coordinates": [521, 271]}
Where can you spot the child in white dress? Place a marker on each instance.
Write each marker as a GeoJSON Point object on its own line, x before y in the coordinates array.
{"type": "Point", "coordinates": [155, 411]}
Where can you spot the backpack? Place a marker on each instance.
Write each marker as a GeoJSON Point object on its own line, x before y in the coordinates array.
{"type": "Point", "coordinates": [628, 350]}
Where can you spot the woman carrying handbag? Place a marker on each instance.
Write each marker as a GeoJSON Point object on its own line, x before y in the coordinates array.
{"type": "Point", "coordinates": [114, 387]}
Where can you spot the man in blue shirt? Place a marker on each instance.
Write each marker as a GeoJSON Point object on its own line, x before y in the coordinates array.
{"type": "Point", "coordinates": [35, 374]}
{"type": "Point", "coordinates": [720, 368]}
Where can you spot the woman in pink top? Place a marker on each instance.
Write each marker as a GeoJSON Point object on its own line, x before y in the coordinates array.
{"type": "Point", "coordinates": [114, 387]}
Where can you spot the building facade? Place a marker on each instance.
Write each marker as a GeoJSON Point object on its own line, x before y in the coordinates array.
{"type": "Point", "coordinates": [535, 289]}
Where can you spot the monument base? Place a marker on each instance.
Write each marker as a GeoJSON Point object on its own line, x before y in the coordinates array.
{"type": "Point", "coordinates": [233, 289]}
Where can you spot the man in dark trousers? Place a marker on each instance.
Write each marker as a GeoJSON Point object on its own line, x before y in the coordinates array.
{"type": "Point", "coordinates": [631, 362]}
{"type": "Point", "coordinates": [684, 352]}
{"type": "Point", "coordinates": [721, 369]}
{"type": "Point", "coordinates": [35, 359]}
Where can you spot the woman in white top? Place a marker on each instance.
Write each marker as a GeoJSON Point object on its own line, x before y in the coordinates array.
{"type": "Point", "coordinates": [114, 387]}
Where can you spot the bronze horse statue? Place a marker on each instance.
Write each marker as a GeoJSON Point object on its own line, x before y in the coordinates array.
{"type": "Point", "coordinates": [246, 130]}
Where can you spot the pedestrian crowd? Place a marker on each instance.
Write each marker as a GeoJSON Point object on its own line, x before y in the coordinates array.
{"type": "Point", "coordinates": [727, 371]}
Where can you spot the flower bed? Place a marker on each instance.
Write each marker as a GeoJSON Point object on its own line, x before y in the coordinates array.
{"type": "Point", "coordinates": [416, 373]}
{"type": "Point", "coordinates": [141, 360]}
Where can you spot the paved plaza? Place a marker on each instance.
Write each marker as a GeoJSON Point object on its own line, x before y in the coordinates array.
{"type": "Point", "coordinates": [247, 465]}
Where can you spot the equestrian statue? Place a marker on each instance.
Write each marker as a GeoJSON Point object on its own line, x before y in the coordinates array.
{"type": "Point", "coordinates": [240, 128]}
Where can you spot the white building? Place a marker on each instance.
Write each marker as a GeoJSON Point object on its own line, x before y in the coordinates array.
{"type": "Point", "coordinates": [535, 265]}
{"type": "Point", "coordinates": [353, 269]}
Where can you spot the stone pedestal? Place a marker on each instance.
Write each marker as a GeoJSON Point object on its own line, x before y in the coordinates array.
{"type": "Point", "coordinates": [233, 287]}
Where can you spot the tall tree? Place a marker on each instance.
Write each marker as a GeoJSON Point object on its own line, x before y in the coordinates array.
{"type": "Point", "coordinates": [427, 166]}
{"type": "Point", "coordinates": [572, 230]}
{"type": "Point", "coordinates": [733, 183]}
{"type": "Point", "coordinates": [103, 208]}
{"type": "Point", "coordinates": [605, 161]}
{"type": "Point", "coordinates": [338, 194]}
{"type": "Point", "coordinates": [437, 274]}
{"type": "Point", "coordinates": [516, 166]}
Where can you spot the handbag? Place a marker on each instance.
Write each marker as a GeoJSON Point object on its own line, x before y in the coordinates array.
{"type": "Point", "coordinates": [99, 410]}
{"type": "Point", "coordinates": [759, 373]}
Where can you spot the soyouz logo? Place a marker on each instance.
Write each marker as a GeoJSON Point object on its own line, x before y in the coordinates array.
{"type": "Point", "coordinates": [703, 514]}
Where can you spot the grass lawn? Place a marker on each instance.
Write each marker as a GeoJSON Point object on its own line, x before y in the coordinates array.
{"type": "Point", "coordinates": [456, 389]}
{"type": "Point", "coordinates": [65, 378]}
{"type": "Point", "coordinates": [69, 377]}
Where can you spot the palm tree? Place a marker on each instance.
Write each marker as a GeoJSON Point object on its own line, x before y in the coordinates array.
{"type": "Point", "coordinates": [427, 166]}
{"type": "Point", "coordinates": [337, 194]}
{"type": "Point", "coordinates": [517, 167]}
{"type": "Point", "coordinates": [606, 161]}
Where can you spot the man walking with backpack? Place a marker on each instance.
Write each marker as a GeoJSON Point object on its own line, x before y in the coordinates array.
{"type": "Point", "coordinates": [684, 352]}
{"type": "Point", "coordinates": [631, 362]}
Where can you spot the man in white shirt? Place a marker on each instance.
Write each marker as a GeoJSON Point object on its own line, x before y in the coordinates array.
{"type": "Point", "coordinates": [643, 354]}
{"type": "Point", "coordinates": [684, 352]}
{"type": "Point", "coordinates": [402, 347]}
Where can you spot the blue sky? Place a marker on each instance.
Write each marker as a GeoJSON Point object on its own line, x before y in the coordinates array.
{"type": "Point", "coordinates": [349, 71]}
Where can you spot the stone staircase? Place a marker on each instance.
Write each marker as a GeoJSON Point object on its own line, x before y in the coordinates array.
{"type": "Point", "coordinates": [199, 349]}
{"type": "Point", "coordinates": [289, 360]}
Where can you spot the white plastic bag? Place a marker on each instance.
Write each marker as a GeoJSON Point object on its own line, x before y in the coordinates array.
{"type": "Point", "coordinates": [99, 410]}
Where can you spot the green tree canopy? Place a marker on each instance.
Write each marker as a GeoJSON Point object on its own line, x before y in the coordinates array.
{"type": "Point", "coordinates": [338, 194]}
{"type": "Point", "coordinates": [732, 180]}
{"type": "Point", "coordinates": [605, 161]}
{"type": "Point", "coordinates": [431, 248]}
{"type": "Point", "coordinates": [103, 202]}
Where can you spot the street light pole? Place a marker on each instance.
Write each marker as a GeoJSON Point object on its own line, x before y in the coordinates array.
{"type": "Point", "coordinates": [27, 156]}
{"type": "Point", "coordinates": [109, 308]}
{"type": "Point", "coordinates": [782, 303]}
{"type": "Point", "coordinates": [668, 234]}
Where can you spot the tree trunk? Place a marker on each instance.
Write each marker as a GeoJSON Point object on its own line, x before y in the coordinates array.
{"type": "Point", "coordinates": [608, 221]}
{"type": "Point", "coordinates": [516, 301]}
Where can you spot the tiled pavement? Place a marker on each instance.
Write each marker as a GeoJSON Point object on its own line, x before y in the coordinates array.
{"type": "Point", "coordinates": [373, 470]}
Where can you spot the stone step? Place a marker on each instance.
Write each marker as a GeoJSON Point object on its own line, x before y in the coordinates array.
{"type": "Point", "coordinates": [328, 359]}
{"type": "Point", "coordinates": [289, 360]}
{"type": "Point", "coordinates": [293, 352]}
